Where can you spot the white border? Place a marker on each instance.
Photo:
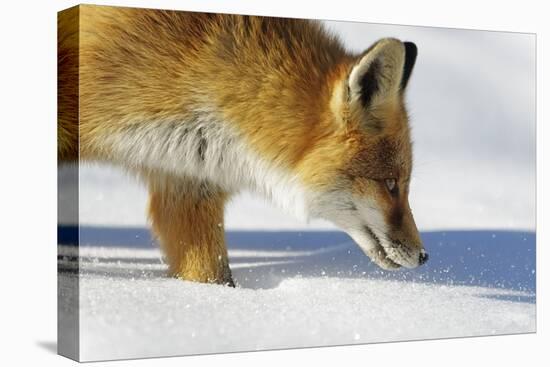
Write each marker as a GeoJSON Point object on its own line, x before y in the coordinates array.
{"type": "Point", "coordinates": [28, 156]}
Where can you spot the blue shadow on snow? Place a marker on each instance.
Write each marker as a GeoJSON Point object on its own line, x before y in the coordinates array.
{"type": "Point", "coordinates": [497, 259]}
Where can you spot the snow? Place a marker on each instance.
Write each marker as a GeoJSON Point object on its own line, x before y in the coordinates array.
{"type": "Point", "coordinates": [308, 287]}
{"type": "Point", "coordinates": [462, 197]}
{"type": "Point", "coordinates": [296, 289]}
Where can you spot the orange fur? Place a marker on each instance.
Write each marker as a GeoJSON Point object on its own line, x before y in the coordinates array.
{"type": "Point", "coordinates": [67, 97]}
{"type": "Point", "coordinates": [187, 217]}
{"type": "Point", "coordinates": [280, 83]}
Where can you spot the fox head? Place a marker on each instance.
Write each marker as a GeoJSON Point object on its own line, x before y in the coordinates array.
{"type": "Point", "coordinates": [364, 174]}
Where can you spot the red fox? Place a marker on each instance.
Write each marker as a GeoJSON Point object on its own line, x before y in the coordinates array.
{"type": "Point", "coordinates": [201, 106]}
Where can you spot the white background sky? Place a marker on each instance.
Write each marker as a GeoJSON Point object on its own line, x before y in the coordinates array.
{"type": "Point", "coordinates": [472, 105]}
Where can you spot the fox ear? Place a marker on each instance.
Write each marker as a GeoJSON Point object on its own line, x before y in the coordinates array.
{"type": "Point", "coordinates": [410, 58]}
{"type": "Point", "coordinates": [383, 71]}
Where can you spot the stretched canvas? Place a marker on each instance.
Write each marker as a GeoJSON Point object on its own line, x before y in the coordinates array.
{"type": "Point", "coordinates": [232, 183]}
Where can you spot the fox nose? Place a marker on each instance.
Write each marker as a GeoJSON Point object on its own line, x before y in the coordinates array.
{"type": "Point", "coordinates": [423, 257]}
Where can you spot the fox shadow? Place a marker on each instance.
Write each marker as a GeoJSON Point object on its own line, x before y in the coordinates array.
{"type": "Point", "coordinates": [261, 260]}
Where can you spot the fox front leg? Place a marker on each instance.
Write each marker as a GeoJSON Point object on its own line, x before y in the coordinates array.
{"type": "Point", "coordinates": [187, 219]}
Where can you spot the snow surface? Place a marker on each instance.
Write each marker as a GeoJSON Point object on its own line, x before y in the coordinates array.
{"type": "Point", "coordinates": [295, 289]}
{"type": "Point", "coordinates": [474, 168]}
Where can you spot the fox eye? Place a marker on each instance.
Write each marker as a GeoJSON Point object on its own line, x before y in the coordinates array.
{"type": "Point", "coordinates": [391, 184]}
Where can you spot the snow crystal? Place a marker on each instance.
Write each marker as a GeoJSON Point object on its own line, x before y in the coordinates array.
{"type": "Point", "coordinates": [293, 290]}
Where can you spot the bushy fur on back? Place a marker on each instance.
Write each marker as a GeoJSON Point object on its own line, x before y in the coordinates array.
{"type": "Point", "coordinates": [202, 106]}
